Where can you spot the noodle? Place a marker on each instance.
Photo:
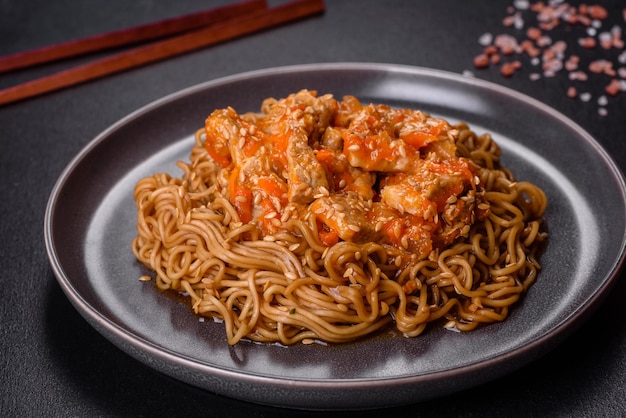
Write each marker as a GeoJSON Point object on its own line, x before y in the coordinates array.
{"type": "Point", "coordinates": [325, 220]}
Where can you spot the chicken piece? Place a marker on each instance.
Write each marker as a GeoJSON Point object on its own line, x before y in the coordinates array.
{"type": "Point", "coordinates": [426, 190]}
{"type": "Point", "coordinates": [380, 138]}
{"type": "Point", "coordinates": [445, 193]}
{"type": "Point", "coordinates": [303, 109]}
{"type": "Point", "coordinates": [236, 142]}
{"type": "Point", "coordinates": [403, 230]}
{"type": "Point", "coordinates": [369, 142]}
{"type": "Point", "coordinates": [231, 138]}
{"type": "Point", "coordinates": [293, 124]}
{"type": "Point", "coordinates": [348, 108]}
{"type": "Point", "coordinates": [347, 216]}
{"type": "Point", "coordinates": [419, 130]}
{"type": "Point", "coordinates": [306, 176]}
{"type": "Point", "coordinates": [332, 139]}
{"type": "Point", "coordinates": [220, 127]}
{"type": "Point", "coordinates": [345, 178]}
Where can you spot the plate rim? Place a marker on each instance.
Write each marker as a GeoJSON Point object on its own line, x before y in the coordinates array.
{"type": "Point", "coordinates": [540, 345]}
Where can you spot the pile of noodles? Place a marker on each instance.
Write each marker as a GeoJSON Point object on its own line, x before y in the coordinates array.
{"type": "Point", "coordinates": [290, 288]}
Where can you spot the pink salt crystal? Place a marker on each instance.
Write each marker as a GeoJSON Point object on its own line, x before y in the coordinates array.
{"type": "Point", "coordinates": [481, 61]}
{"type": "Point", "coordinates": [544, 41]}
{"type": "Point", "coordinates": [613, 88]}
{"type": "Point", "coordinates": [506, 43]}
{"type": "Point", "coordinates": [485, 39]}
{"type": "Point", "coordinates": [508, 68]}
{"type": "Point", "coordinates": [571, 92]}
{"type": "Point", "coordinates": [521, 4]}
{"type": "Point", "coordinates": [597, 12]}
{"type": "Point", "coordinates": [533, 33]}
{"type": "Point", "coordinates": [588, 42]}
{"type": "Point", "coordinates": [539, 6]}
{"type": "Point", "coordinates": [584, 20]}
{"type": "Point", "coordinates": [600, 66]}
{"type": "Point", "coordinates": [552, 66]}
{"type": "Point", "coordinates": [490, 50]}
{"type": "Point", "coordinates": [578, 75]}
{"type": "Point", "coordinates": [606, 40]}
{"type": "Point", "coordinates": [572, 63]}
{"type": "Point", "coordinates": [508, 21]}
{"type": "Point", "coordinates": [559, 47]}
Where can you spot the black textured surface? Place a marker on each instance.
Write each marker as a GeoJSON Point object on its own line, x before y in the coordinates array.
{"type": "Point", "coordinates": [52, 363]}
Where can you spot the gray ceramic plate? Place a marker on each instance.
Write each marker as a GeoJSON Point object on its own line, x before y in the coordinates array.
{"type": "Point", "coordinates": [90, 222]}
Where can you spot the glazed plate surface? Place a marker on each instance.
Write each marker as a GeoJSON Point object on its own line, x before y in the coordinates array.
{"type": "Point", "coordinates": [90, 223]}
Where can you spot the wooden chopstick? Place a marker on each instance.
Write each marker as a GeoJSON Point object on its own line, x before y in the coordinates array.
{"type": "Point", "coordinates": [135, 35]}
{"type": "Point", "coordinates": [219, 32]}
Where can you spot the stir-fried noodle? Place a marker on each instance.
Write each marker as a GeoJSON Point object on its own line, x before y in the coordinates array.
{"type": "Point", "coordinates": [320, 219]}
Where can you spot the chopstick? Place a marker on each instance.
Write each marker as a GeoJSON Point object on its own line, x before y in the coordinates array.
{"type": "Point", "coordinates": [150, 31]}
{"type": "Point", "coordinates": [199, 38]}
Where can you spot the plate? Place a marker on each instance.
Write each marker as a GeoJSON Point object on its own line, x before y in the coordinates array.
{"type": "Point", "coordinates": [90, 223]}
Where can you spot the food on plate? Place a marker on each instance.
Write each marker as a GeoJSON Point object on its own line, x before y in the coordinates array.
{"type": "Point", "coordinates": [325, 220]}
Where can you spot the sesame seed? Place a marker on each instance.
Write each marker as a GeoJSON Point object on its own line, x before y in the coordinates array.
{"type": "Point", "coordinates": [354, 228]}
{"type": "Point", "coordinates": [450, 325]}
{"type": "Point", "coordinates": [354, 147]}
